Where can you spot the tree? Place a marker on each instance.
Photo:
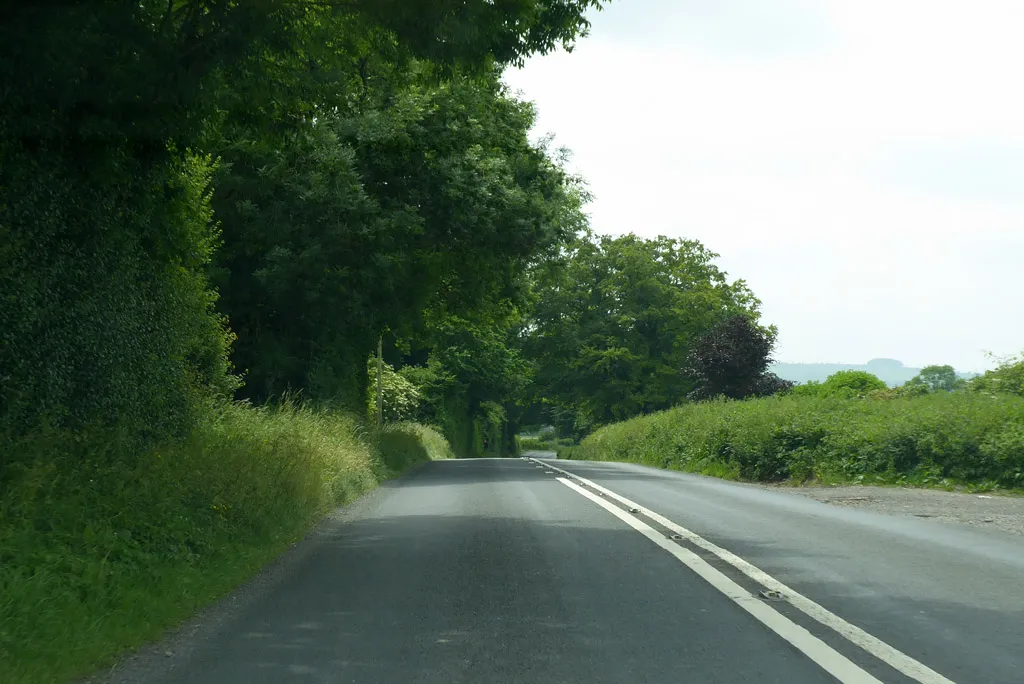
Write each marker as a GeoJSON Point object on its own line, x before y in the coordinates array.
{"type": "Point", "coordinates": [851, 384]}
{"type": "Point", "coordinates": [470, 375]}
{"type": "Point", "coordinates": [770, 383]}
{"type": "Point", "coordinates": [614, 320]}
{"type": "Point", "coordinates": [110, 113]}
{"type": "Point", "coordinates": [937, 379]}
{"type": "Point", "coordinates": [731, 360]}
{"type": "Point", "coordinates": [366, 220]}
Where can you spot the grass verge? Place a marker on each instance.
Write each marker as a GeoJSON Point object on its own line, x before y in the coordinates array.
{"type": "Point", "coordinates": [941, 440]}
{"type": "Point", "coordinates": [100, 553]}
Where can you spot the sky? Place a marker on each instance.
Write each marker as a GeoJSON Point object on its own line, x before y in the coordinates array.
{"type": "Point", "coordinates": [859, 163]}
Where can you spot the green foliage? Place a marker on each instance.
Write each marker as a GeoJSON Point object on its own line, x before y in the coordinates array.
{"type": "Point", "coordinates": [346, 129]}
{"type": "Point", "coordinates": [405, 444]}
{"type": "Point", "coordinates": [532, 444]}
{"type": "Point", "coordinates": [465, 30]}
{"type": "Point", "coordinates": [401, 398]}
{"type": "Point", "coordinates": [470, 374]}
{"type": "Point", "coordinates": [938, 439]}
{"type": "Point", "coordinates": [541, 444]}
{"type": "Point", "coordinates": [100, 552]}
{"type": "Point", "coordinates": [731, 360]}
{"type": "Point", "coordinates": [843, 384]}
{"type": "Point", "coordinates": [356, 157]}
{"type": "Point", "coordinates": [937, 379]}
{"type": "Point", "coordinates": [1008, 377]}
{"type": "Point", "coordinates": [851, 383]}
{"type": "Point", "coordinates": [103, 323]}
{"type": "Point", "coordinates": [811, 388]}
{"type": "Point", "coordinates": [364, 221]}
{"type": "Point", "coordinates": [615, 319]}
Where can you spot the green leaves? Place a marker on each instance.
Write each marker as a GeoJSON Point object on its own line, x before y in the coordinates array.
{"type": "Point", "coordinates": [367, 219]}
{"type": "Point", "coordinates": [847, 384]}
{"type": "Point", "coordinates": [615, 318]}
{"type": "Point", "coordinates": [401, 398]}
{"type": "Point", "coordinates": [731, 360]}
{"type": "Point", "coordinates": [1007, 377]}
{"type": "Point", "coordinates": [936, 439]}
{"type": "Point", "coordinates": [937, 379]}
{"type": "Point", "coordinates": [367, 153]}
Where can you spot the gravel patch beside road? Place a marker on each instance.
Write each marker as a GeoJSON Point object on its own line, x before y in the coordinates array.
{"type": "Point", "coordinates": [997, 511]}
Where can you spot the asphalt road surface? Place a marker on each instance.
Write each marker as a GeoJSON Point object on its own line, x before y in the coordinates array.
{"type": "Point", "coordinates": [514, 571]}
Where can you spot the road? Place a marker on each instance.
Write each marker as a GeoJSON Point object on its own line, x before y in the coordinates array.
{"type": "Point", "coordinates": [514, 571]}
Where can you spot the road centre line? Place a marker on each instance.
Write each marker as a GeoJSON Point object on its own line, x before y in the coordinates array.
{"type": "Point", "coordinates": [826, 657]}
{"type": "Point", "coordinates": [888, 654]}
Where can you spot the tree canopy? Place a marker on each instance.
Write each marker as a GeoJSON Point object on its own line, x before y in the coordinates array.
{"type": "Point", "coordinates": [207, 198]}
{"type": "Point", "coordinates": [615, 319]}
{"type": "Point", "coordinates": [301, 175]}
{"type": "Point", "coordinates": [731, 360]}
{"type": "Point", "coordinates": [937, 379]}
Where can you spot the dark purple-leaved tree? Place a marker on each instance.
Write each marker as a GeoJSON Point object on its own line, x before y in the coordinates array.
{"type": "Point", "coordinates": [731, 360]}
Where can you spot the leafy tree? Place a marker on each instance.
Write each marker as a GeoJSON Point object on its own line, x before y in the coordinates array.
{"type": "Point", "coordinates": [848, 384]}
{"type": "Point", "coordinates": [851, 384]}
{"type": "Point", "coordinates": [770, 383]}
{"type": "Point", "coordinates": [937, 379]}
{"type": "Point", "coordinates": [731, 360]}
{"type": "Point", "coordinates": [469, 374]}
{"type": "Point", "coordinates": [367, 219]}
{"type": "Point", "coordinates": [105, 228]}
{"type": "Point", "coordinates": [615, 319]}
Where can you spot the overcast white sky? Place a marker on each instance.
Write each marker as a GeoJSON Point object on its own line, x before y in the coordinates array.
{"type": "Point", "coordinates": [860, 163]}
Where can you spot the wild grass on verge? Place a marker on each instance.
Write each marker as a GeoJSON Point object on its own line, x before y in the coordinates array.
{"type": "Point", "coordinates": [101, 551]}
{"type": "Point", "coordinates": [943, 439]}
{"type": "Point", "coordinates": [404, 444]}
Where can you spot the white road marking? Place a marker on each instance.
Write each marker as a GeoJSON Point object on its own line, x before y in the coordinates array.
{"type": "Point", "coordinates": [829, 659]}
{"type": "Point", "coordinates": [888, 654]}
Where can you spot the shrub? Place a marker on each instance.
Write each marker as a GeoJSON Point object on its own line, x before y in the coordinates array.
{"type": "Point", "coordinates": [844, 384]}
{"type": "Point", "coordinates": [533, 444]}
{"type": "Point", "coordinates": [404, 444]}
{"type": "Point", "coordinates": [936, 439]}
{"type": "Point", "coordinates": [1007, 377]}
{"type": "Point", "coordinates": [401, 398]}
{"type": "Point", "coordinates": [851, 383]}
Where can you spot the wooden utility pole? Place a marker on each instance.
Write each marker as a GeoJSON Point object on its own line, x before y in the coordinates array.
{"type": "Point", "coordinates": [380, 381]}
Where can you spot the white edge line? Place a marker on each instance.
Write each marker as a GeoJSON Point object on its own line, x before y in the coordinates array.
{"type": "Point", "coordinates": [888, 654]}
{"type": "Point", "coordinates": [826, 657]}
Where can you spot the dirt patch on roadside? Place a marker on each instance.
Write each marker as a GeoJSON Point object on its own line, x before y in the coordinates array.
{"type": "Point", "coordinates": [997, 511]}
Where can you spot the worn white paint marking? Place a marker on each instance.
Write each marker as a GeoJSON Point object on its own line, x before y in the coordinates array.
{"type": "Point", "coordinates": [829, 659]}
{"type": "Point", "coordinates": [888, 654]}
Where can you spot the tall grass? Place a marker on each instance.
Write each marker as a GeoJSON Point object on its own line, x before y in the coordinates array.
{"type": "Point", "coordinates": [100, 552]}
{"type": "Point", "coordinates": [943, 439]}
{"type": "Point", "coordinates": [405, 444]}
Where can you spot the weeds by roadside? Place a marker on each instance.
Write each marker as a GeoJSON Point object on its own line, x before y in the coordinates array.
{"type": "Point", "coordinates": [100, 552]}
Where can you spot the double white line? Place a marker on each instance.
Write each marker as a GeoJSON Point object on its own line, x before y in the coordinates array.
{"type": "Point", "coordinates": [833, 662]}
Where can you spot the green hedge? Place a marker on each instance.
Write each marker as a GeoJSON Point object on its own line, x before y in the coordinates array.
{"type": "Point", "coordinates": [939, 439]}
{"type": "Point", "coordinates": [541, 444]}
{"type": "Point", "coordinates": [405, 444]}
{"type": "Point", "coordinates": [101, 550]}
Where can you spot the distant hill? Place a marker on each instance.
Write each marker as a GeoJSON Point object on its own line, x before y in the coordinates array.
{"type": "Point", "coordinates": [890, 371]}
